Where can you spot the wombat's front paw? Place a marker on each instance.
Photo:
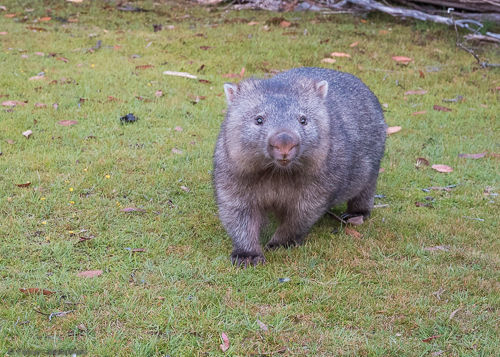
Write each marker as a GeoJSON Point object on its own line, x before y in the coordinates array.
{"type": "Point", "coordinates": [247, 259]}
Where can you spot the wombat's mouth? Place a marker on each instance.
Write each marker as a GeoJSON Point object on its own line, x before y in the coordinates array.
{"type": "Point", "coordinates": [283, 162]}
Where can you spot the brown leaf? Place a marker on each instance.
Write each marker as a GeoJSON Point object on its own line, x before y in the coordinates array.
{"type": "Point", "coordinates": [144, 66]}
{"type": "Point", "coordinates": [252, 23]}
{"type": "Point", "coordinates": [36, 29]}
{"type": "Point", "coordinates": [204, 81]}
{"type": "Point", "coordinates": [422, 74]}
{"type": "Point", "coordinates": [328, 60]}
{"type": "Point", "coordinates": [340, 54]}
{"type": "Point", "coordinates": [429, 339]}
{"type": "Point", "coordinates": [63, 59]}
{"type": "Point", "coordinates": [40, 105]}
{"type": "Point", "coordinates": [393, 129]}
{"type": "Point", "coordinates": [441, 109]}
{"type": "Point", "coordinates": [419, 113]}
{"type": "Point", "coordinates": [225, 342]}
{"type": "Point", "coordinates": [353, 233]}
{"type": "Point", "coordinates": [44, 19]}
{"type": "Point", "coordinates": [132, 209]}
{"type": "Point", "coordinates": [205, 48]}
{"type": "Point", "coordinates": [113, 99]}
{"type": "Point", "coordinates": [84, 239]}
{"type": "Point", "coordinates": [383, 32]}
{"type": "Point", "coordinates": [9, 16]}
{"type": "Point", "coordinates": [30, 291]}
{"type": "Point", "coordinates": [442, 168]}
{"type": "Point", "coordinates": [402, 59]}
{"type": "Point", "coordinates": [23, 184]}
{"type": "Point", "coordinates": [354, 44]}
{"type": "Point", "coordinates": [27, 133]}
{"type": "Point", "coordinates": [89, 273]}
{"type": "Point", "coordinates": [356, 221]}
{"type": "Point", "coordinates": [473, 156]}
{"type": "Point", "coordinates": [422, 161]}
{"type": "Point", "coordinates": [36, 78]}
{"type": "Point", "coordinates": [138, 250]}
{"type": "Point", "coordinates": [416, 92]}
{"type": "Point", "coordinates": [285, 23]}
{"type": "Point", "coordinates": [67, 122]}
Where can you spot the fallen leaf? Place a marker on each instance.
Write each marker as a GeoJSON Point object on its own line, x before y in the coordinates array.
{"type": "Point", "coordinates": [422, 204]}
{"type": "Point", "coordinates": [419, 113]}
{"type": "Point", "coordinates": [37, 291]}
{"type": "Point", "coordinates": [27, 133]}
{"type": "Point", "coordinates": [145, 66]}
{"type": "Point", "coordinates": [393, 129]}
{"type": "Point", "coordinates": [225, 342]}
{"type": "Point", "coordinates": [429, 339]}
{"type": "Point", "coordinates": [473, 156]}
{"type": "Point", "coordinates": [252, 23]}
{"type": "Point", "coordinates": [55, 105]}
{"type": "Point", "coordinates": [185, 189]}
{"type": "Point", "coordinates": [138, 250]}
{"type": "Point", "coordinates": [67, 122]}
{"type": "Point", "coordinates": [180, 74]}
{"type": "Point", "coordinates": [63, 59]}
{"type": "Point", "coordinates": [12, 103]}
{"type": "Point", "coordinates": [441, 109]}
{"type": "Point", "coordinates": [40, 105]}
{"type": "Point", "coordinates": [36, 78]}
{"type": "Point", "coordinates": [354, 44]}
{"type": "Point", "coordinates": [75, 1]}
{"type": "Point", "coordinates": [158, 93]}
{"type": "Point", "coordinates": [44, 19]}
{"type": "Point", "coordinates": [442, 168]}
{"type": "Point", "coordinates": [383, 32]}
{"type": "Point", "coordinates": [285, 23]}
{"type": "Point", "coordinates": [10, 141]}
{"type": "Point", "coordinates": [176, 151]}
{"type": "Point", "coordinates": [9, 16]}
{"type": "Point", "coordinates": [262, 325]}
{"type": "Point", "coordinates": [36, 29]}
{"type": "Point", "coordinates": [452, 315]}
{"type": "Point", "coordinates": [443, 248]}
{"type": "Point", "coordinates": [204, 81]}
{"type": "Point", "coordinates": [422, 74]}
{"type": "Point", "coordinates": [422, 161]}
{"type": "Point", "coordinates": [3, 33]}
{"type": "Point", "coordinates": [178, 128]}
{"type": "Point", "coordinates": [132, 209]}
{"type": "Point", "coordinates": [328, 60]}
{"type": "Point", "coordinates": [416, 92]}
{"type": "Point", "coordinates": [353, 233]}
{"type": "Point", "coordinates": [23, 184]}
{"type": "Point", "coordinates": [89, 273]}
{"type": "Point", "coordinates": [402, 59]}
{"type": "Point", "coordinates": [205, 48]}
{"type": "Point", "coordinates": [340, 54]}
{"type": "Point", "coordinates": [355, 221]}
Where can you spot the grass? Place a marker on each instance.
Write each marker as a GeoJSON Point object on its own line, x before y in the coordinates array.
{"type": "Point", "coordinates": [380, 295]}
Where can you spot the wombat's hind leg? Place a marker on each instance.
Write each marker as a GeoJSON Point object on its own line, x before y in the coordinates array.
{"type": "Point", "coordinates": [362, 204]}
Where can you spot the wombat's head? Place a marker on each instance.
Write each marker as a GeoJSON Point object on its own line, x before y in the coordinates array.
{"type": "Point", "coordinates": [276, 124]}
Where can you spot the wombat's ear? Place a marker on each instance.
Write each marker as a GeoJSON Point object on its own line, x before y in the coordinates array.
{"type": "Point", "coordinates": [322, 89]}
{"type": "Point", "coordinates": [230, 89]}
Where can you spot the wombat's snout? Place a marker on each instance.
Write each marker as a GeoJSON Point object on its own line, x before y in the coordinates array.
{"type": "Point", "coordinates": [283, 147]}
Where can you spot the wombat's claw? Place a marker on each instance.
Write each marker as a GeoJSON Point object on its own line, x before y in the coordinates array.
{"type": "Point", "coordinates": [287, 244]}
{"type": "Point", "coordinates": [244, 260]}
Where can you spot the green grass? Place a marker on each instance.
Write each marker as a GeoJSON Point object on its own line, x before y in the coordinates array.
{"type": "Point", "coordinates": [379, 295]}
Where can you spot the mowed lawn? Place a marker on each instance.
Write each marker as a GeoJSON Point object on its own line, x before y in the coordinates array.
{"type": "Point", "coordinates": [81, 191]}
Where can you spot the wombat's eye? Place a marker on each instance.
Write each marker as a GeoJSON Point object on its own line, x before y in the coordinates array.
{"type": "Point", "coordinates": [303, 120]}
{"type": "Point", "coordinates": [259, 120]}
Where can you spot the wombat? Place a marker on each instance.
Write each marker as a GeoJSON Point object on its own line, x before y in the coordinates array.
{"type": "Point", "coordinates": [293, 146]}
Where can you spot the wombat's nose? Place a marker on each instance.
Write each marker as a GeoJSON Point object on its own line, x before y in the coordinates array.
{"type": "Point", "coordinates": [283, 145]}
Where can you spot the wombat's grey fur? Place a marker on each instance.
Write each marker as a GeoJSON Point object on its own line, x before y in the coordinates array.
{"type": "Point", "coordinates": [295, 145]}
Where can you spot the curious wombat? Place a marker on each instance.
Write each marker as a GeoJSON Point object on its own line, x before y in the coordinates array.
{"type": "Point", "coordinates": [294, 145]}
